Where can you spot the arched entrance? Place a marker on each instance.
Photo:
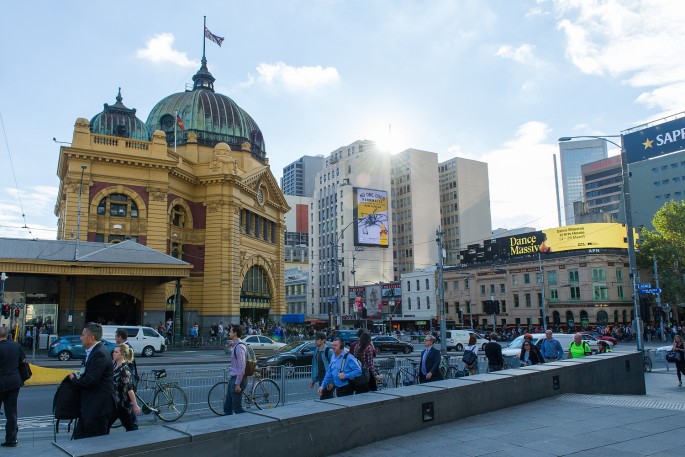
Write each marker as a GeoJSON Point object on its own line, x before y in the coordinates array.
{"type": "Point", "coordinates": [114, 308]}
{"type": "Point", "coordinates": [570, 321]}
{"type": "Point", "coordinates": [255, 295]}
{"type": "Point", "coordinates": [584, 321]}
{"type": "Point", "coordinates": [556, 320]}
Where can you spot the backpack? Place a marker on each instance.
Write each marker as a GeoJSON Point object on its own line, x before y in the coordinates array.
{"type": "Point", "coordinates": [66, 403]}
{"type": "Point", "coordinates": [250, 359]}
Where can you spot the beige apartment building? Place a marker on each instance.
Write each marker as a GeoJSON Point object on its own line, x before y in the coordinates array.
{"type": "Point", "coordinates": [580, 291]}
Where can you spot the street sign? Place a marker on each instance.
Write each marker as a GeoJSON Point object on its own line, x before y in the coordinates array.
{"type": "Point", "coordinates": [649, 291]}
{"type": "Point", "coordinates": [332, 299]}
{"type": "Point", "coordinates": [644, 286]}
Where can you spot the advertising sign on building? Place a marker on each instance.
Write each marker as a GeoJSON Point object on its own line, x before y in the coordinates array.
{"type": "Point", "coordinates": [654, 141]}
{"type": "Point", "coordinates": [371, 216]}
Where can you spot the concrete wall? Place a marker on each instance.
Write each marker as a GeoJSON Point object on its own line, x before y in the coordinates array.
{"type": "Point", "coordinates": [321, 428]}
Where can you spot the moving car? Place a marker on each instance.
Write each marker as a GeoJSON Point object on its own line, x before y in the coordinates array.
{"type": "Point", "coordinates": [70, 347]}
{"type": "Point", "coordinates": [392, 344]}
{"type": "Point", "coordinates": [458, 339]}
{"type": "Point", "coordinates": [261, 345]}
{"type": "Point", "coordinates": [145, 341]}
{"type": "Point", "coordinates": [597, 336]}
{"type": "Point", "coordinates": [348, 336]}
{"type": "Point", "coordinates": [295, 354]}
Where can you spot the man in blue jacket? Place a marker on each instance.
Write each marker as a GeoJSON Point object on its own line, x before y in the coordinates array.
{"type": "Point", "coordinates": [342, 368]}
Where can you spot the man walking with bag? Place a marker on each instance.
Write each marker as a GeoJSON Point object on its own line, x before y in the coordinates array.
{"type": "Point", "coordinates": [238, 381]}
{"type": "Point", "coordinates": [341, 370]}
{"type": "Point", "coordinates": [10, 383]}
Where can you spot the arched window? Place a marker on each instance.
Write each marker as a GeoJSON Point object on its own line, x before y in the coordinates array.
{"type": "Point", "coordinates": [120, 214]}
{"type": "Point", "coordinates": [570, 321]}
{"type": "Point", "coordinates": [584, 321]}
{"type": "Point", "coordinates": [255, 291]}
{"type": "Point", "coordinates": [117, 205]}
{"type": "Point", "coordinates": [616, 317]}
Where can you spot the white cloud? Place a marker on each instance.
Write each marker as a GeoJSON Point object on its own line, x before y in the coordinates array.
{"type": "Point", "coordinates": [521, 176]}
{"type": "Point", "coordinates": [294, 78]}
{"type": "Point", "coordinates": [38, 204]}
{"type": "Point", "coordinates": [159, 49]}
{"type": "Point", "coordinates": [640, 42]}
{"type": "Point", "coordinates": [522, 54]}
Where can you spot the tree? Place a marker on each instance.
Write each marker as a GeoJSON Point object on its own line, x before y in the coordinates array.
{"type": "Point", "coordinates": [667, 243]}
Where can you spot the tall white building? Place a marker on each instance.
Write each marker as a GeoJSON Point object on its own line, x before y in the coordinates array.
{"type": "Point", "coordinates": [336, 263]}
{"type": "Point", "coordinates": [464, 205]}
{"type": "Point", "coordinates": [573, 155]}
{"type": "Point", "coordinates": [415, 209]}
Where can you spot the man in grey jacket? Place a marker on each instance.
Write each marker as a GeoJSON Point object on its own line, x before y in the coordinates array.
{"type": "Point", "coordinates": [320, 362]}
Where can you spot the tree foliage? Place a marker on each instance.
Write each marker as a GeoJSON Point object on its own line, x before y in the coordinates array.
{"type": "Point", "coordinates": [667, 243]}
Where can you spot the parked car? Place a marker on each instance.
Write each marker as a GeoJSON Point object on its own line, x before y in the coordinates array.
{"type": "Point", "coordinates": [391, 344]}
{"type": "Point", "coordinates": [295, 354]}
{"type": "Point", "coordinates": [70, 347]}
{"type": "Point", "coordinates": [145, 341]}
{"type": "Point", "coordinates": [348, 336]}
{"type": "Point", "coordinates": [261, 345]}
{"type": "Point", "coordinates": [597, 336]}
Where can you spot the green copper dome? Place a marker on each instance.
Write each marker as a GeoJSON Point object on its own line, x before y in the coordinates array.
{"type": "Point", "coordinates": [213, 117]}
{"type": "Point", "coordinates": [117, 120]}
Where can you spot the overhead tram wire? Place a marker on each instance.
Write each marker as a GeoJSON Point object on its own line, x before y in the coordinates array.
{"type": "Point", "coordinates": [14, 176]}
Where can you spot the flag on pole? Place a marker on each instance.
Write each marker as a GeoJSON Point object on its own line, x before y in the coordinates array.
{"type": "Point", "coordinates": [217, 39]}
{"type": "Point", "coordinates": [179, 121]}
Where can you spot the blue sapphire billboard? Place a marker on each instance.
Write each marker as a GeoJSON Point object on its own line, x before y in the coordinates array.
{"type": "Point", "coordinates": [655, 141]}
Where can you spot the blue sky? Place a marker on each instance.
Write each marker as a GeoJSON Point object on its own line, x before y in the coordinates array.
{"type": "Point", "coordinates": [497, 81]}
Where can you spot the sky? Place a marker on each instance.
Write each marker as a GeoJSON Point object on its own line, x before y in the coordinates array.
{"type": "Point", "coordinates": [497, 81]}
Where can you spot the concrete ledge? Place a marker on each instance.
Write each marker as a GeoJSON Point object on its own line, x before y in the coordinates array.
{"type": "Point", "coordinates": [320, 428]}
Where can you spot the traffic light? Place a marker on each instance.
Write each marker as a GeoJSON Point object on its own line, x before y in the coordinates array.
{"type": "Point", "coordinates": [6, 310]}
{"type": "Point", "coordinates": [489, 307]}
{"type": "Point", "coordinates": [497, 309]}
{"type": "Point", "coordinates": [16, 312]}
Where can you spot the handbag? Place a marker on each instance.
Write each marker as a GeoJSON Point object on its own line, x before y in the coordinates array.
{"type": "Point", "coordinates": [24, 370]}
{"type": "Point", "coordinates": [469, 357]}
{"type": "Point", "coordinates": [361, 380]}
{"type": "Point", "coordinates": [672, 357]}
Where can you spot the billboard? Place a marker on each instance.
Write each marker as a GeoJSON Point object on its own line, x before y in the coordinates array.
{"type": "Point", "coordinates": [654, 141]}
{"type": "Point", "coordinates": [567, 238]}
{"type": "Point", "coordinates": [371, 217]}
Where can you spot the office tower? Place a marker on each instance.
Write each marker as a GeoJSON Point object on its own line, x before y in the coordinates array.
{"type": "Point", "coordinates": [602, 184]}
{"type": "Point", "coordinates": [464, 205]}
{"type": "Point", "coordinates": [299, 177]}
{"type": "Point", "coordinates": [573, 154]}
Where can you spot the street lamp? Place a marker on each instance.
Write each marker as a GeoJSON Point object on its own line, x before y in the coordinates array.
{"type": "Point", "coordinates": [338, 288]}
{"type": "Point", "coordinates": [629, 226]}
{"type": "Point", "coordinates": [72, 289]}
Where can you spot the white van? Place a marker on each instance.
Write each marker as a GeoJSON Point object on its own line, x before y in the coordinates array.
{"type": "Point", "coordinates": [457, 340]}
{"type": "Point", "coordinates": [145, 341]}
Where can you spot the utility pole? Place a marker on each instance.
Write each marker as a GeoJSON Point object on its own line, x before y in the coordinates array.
{"type": "Point", "coordinates": [441, 295]}
{"type": "Point", "coordinates": [541, 281]}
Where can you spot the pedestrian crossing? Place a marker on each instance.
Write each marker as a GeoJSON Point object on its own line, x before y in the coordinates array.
{"type": "Point", "coordinates": [34, 422]}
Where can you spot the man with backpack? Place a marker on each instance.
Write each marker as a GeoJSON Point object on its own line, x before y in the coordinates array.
{"type": "Point", "coordinates": [238, 381]}
{"type": "Point", "coordinates": [578, 348]}
{"type": "Point", "coordinates": [320, 362]}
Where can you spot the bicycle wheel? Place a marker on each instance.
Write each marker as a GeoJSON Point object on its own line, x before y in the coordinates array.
{"type": "Point", "coordinates": [648, 364]}
{"type": "Point", "coordinates": [444, 372]}
{"type": "Point", "coordinates": [266, 394]}
{"type": "Point", "coordinates": [454, 372]}
{"type": "Point", "coordinates": [170, 402]}
{"type": "Point", "coordinates": [217, 397]}
{"type": "Point", "coordinates": [386, 382]}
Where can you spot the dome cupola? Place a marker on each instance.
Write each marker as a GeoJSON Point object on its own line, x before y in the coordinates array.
{"type": "Point", "coordinates": [117, 120]}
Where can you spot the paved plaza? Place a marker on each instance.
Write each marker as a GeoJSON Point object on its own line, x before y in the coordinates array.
{"type": "Point", "coordinates": [570, 424]}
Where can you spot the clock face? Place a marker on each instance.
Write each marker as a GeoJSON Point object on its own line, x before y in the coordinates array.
{"type": "Point", "coordinates": [260, 196]}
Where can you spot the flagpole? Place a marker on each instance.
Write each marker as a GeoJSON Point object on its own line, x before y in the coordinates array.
{"type": "Point", "coordinates": [204, 38]}
{"type": "Point", "coordinates": [175, 123]}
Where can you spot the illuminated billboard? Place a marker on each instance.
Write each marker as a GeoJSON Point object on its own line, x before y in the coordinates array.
{"type": "Point", "coordinates": [567, 238]}
{"type": "Point", "coordinates": [371, 217]}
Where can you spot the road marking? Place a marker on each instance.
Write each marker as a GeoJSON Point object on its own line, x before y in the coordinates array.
{"type": "Point", "coordinates": [30, 422]}
{"type": "Point", "coordinates": [627, 402]}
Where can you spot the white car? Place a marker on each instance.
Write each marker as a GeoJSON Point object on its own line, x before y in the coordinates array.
{"type": "Point", "coordinates": [262, 345]}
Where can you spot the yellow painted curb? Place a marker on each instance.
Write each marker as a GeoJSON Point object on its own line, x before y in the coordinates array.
{"type": "Point", "coordinates": [45, 376]}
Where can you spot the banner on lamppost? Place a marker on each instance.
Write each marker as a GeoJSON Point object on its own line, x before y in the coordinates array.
{"type": "Point", "coordinates": [654, 141]}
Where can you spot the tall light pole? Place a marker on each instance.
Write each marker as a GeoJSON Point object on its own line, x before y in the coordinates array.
{"type": "Point", "coordinates": [339, 290]}
{"type": "Point", "coordinates": [72, 288]}
{"type": "Point", "coordinates": [627, 208]}
{"type": "Point", "coordinates": [441, 296]}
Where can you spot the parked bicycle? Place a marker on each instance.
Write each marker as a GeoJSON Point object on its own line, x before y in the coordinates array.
{"type": "Point", "coordinates": [169, 400]}
{"type": "Point", "coordinates": [448, 371]}
{"type": "Point", "coordinates": [385, 372]}
{"type": "Point", "coordinates": [406, 377]}
{"type": "Point", "coordinates": [647, 361]}
{"type": "Point", "coordinates": [264, 393]}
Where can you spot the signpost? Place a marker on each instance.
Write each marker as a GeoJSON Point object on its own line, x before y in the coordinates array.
{"type": "Point", "coordinates": [649, 291]}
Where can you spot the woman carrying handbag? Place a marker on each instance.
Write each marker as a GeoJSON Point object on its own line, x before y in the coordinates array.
{"type": "Point", "coordinates": [679, 349]}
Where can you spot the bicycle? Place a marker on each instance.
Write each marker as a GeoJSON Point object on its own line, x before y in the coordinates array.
{"type": "Point", "coordinates": [447, 370]}
{"type": "Point", "coordinates": [169, 400]}
{"type": "Point", "coordinates": [647, 361]}
{"type": "Point", "coordinates": [264, 394]}
{"type": "Point", "coordinates": [386, 381]}
{"type": "Point", "coordinates": [405, 377]}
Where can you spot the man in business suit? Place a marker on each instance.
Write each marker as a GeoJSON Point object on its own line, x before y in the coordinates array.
{"type": "Point", "coordinates": [95, 384]}
{"type": "Point", "coordinates": [430, 362]}
{"type": "Point", "coordinates": [10, 383]}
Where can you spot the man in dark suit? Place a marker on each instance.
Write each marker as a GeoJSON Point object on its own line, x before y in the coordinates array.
{"type": "Point", "coordinates": [430, 362]}
{"type": "Point", "coordinates": [10, 382]}
{"type": "Point", "coordinates": [96, 385]}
